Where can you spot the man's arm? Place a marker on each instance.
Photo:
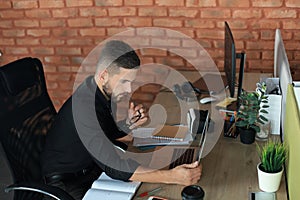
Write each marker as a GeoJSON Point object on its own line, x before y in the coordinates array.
{"type": "Point", "coordinates": [185, 174]}
{"type": "Point", "coordinates": [125, 139]}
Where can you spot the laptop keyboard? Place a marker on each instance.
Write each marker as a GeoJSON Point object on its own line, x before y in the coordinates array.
{"type": "Point", "coordinates": [184, 156]}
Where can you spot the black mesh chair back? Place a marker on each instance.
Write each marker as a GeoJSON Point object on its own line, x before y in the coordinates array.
{"type": "Point", "coordinates": [26, 114]}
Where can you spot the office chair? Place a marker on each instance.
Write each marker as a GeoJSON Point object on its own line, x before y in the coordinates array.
{"type": "Point", "coordinates": [26, 114]}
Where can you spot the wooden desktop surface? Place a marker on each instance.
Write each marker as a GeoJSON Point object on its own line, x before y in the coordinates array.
{"type": "Point", "coordinates": [229, 172]}
{"type": "Point", "coordinates": [229, 169]}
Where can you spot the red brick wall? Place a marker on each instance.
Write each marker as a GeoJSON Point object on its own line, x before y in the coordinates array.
{"type": "Point", "coordinates": [62, 32]}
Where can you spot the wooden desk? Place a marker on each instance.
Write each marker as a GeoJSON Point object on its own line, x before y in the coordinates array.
{"type": "Point", "coordinates": [229, 169]}
{"type": "Point", "coordinates": [229, 172]}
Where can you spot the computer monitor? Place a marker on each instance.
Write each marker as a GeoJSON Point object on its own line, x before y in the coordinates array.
{"type": "Point", "coordinates": [230, 56]}
{"type": "Point", "coordinates": [230, 71]}
{"type": "Point", "coordinates": [281, 70]}
{"type": "Point", "coordinates": [230, 63]}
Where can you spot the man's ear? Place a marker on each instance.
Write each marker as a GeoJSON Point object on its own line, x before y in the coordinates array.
{"type": "Point", "coordinates": [103, 76]}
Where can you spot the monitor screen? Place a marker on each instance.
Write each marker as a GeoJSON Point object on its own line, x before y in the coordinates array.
{"type": "Point", "coordinates": [229, 60]}
{"type": "Point", "coordinates": [282, 70]}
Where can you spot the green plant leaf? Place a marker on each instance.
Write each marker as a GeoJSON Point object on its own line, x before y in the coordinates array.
{"type": "Point", "coordinates": [272, 155]}
{"type": "Point", "coordinates": [260, 121]}
{"type": "Point", "coordinates": [263, 111]}
{"type": "Point", "coordinates": [241, 123]}
{"type": "Point", "coordinates": [256, 128]}
{"type": "Point", "coordinates": [263, 118]}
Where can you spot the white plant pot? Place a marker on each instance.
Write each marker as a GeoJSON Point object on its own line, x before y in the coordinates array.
{"type": "Point", "coordinates": [269, 182]}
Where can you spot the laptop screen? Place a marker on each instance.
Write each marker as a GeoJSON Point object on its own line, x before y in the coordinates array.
{"type": "Point", "coordinates": [203, 137]}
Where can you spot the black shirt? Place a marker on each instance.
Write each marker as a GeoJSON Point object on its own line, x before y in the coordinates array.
{"type": "Point", "coordinates": [83, 133]}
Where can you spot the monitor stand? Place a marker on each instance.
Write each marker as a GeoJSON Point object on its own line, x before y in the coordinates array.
{"type": "Point", "coordinates": [216, 83]}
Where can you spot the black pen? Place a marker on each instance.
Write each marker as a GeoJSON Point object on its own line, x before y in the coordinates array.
{"type": "Point", "coordinates": [138, 117]}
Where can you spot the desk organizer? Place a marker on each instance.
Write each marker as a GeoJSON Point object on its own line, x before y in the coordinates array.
{"type": "Point", "coordinates": [230, 129]}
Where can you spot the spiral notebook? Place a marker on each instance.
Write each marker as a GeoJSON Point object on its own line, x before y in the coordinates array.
{"type": "Point", "coordinates": [176, 133]}
{"type": "Point", "coordinates": [155, 136]}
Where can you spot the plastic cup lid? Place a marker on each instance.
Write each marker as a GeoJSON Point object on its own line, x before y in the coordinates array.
{"type": "Point", "coordinates": [192, 192]}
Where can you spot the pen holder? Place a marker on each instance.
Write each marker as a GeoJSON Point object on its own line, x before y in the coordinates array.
{"type": "Point", "coordinates": [230, 128]}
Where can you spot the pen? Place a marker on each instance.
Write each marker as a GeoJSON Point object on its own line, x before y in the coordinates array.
{"type": "Point", "coordinates": [226, 111]}
{"type": "Point", "coordinates": [150, 192]}
{"type": "Point", "coordinates": [138, 117]}
{"type": "Point", "coordinates": [232, 118]}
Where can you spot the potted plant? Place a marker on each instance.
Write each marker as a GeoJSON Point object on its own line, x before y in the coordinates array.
{"type": "Point", "coordinates": [272, 156]}
{"type": "Point", "coordinates": [250, 114]}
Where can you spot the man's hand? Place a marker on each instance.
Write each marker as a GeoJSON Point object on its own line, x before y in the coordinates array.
{"type": "Point", "coordinates": [186, 174]}
{"type": "Point", "coordinates": [125, 139]}
{"type": "Point", "coordinates": [136, 116]}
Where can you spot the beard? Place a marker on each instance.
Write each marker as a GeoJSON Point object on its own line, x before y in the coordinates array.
{"type": "Point", "coordinates": [106, 91]}
{"type": "Point", "coordinates": [119, 97]}
{"type": "Point", "coordinates": [111, 96]}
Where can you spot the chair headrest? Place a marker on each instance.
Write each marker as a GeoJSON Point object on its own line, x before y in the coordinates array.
{"type": "Point", "coordinates": [20, 75]}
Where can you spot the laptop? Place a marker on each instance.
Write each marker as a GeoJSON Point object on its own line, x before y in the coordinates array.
{"type": "Point", "coordinates": [168, 157]}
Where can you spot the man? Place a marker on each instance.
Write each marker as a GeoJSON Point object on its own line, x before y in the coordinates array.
{"type": "Point", "coordinates": [82, 141]}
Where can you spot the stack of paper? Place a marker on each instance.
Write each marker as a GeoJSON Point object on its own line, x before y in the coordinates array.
{"type": "Point", "coordinates": [274, 113]}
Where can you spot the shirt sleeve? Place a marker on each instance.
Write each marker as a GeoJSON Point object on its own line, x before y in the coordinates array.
{"type": "Point", "coordinates": [108, 124]}
{"type": "Point", "coordinates": [106, 154]}
{"type": "Point", "coordinates": [110, 158]}
{"type": "Point", "coordinates": [119, 175]}
{"type": "Point", "coordinates": [124, 126]}
{"type": "Point", "coordinates": [97, 137]}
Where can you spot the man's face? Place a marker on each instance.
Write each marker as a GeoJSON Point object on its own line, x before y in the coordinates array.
{"type": "Point", "coordinates": [119, 84]}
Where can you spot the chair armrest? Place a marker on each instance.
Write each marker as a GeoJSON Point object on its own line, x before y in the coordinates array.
{"type": "Point", "coordinates": [49, 190]}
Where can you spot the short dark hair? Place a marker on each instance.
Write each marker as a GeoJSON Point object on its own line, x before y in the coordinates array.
{"type": "Point", "coordinates": [116, 54]}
